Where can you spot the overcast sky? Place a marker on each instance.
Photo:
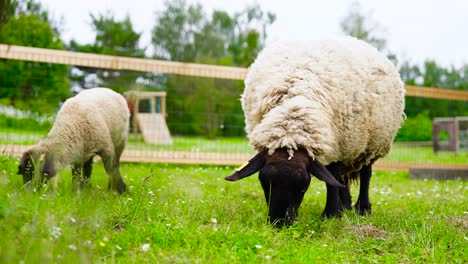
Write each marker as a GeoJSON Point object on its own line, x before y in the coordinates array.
{"type": "Point", "coordinates": [415, 29]}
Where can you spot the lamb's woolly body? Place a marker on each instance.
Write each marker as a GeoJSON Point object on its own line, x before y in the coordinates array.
{"type": "Point", "coordinates": [94, 122]}
{"type": "Point", "coordinates": [338, 98]}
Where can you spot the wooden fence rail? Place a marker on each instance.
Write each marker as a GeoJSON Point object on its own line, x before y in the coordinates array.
{"type": "Point", "coordinates": [233, 159]}
{"type": "Point", "coordinates": [191, 69]}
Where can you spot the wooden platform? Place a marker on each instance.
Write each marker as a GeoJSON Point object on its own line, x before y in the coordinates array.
{"type": "Point", "coordinates": [154, 128]}
{"type": "Point", "coordinates": [438, 174]}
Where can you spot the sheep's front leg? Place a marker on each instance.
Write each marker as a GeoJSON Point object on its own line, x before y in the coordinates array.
{"type": "Point", "coordinates": [333, 207]}
{"type": "Point", "coordinates": [363, 206]}
{"type": "Point", "coordinates": [337, 198]}
{"type": "Point", "coordinates": [345, 197]}
{"type": "Point", "coordinates": [81, 174]}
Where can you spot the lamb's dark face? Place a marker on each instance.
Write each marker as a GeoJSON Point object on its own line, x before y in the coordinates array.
{"type": "Point", "coordinates": [284, 181]}
{"type": "Point", "coordinates": [32, 164]}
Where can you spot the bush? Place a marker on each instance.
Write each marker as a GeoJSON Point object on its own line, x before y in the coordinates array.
{"type": "Point", "coordinates": [418, 128]}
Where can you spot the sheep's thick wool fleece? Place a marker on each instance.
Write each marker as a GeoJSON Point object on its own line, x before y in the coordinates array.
{"type": "Point", "coordinates": [94, 121]}
{"type": "Point", "coordinates": [339, 98]}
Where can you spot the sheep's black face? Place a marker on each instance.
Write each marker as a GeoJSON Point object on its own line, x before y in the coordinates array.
{"type": "Point", "coordinates": [31, 166]}
{"type": "Point", "coordinates": [284, 183]}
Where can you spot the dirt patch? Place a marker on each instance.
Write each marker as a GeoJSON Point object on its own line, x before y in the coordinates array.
{"type": "Point", "coordinates": [459, 221]}
{"type": "Point", "coordinates": [361, 232]}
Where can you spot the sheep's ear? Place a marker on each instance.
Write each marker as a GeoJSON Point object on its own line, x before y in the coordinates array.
{"type": "Point", "coordinates": [248, 168]}
{"type": "Point", "coordinates": [321, 172]}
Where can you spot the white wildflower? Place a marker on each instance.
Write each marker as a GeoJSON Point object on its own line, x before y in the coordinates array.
{"type": "Point", "coordinates": [55, 232]}
{"type": "Point", "coordinates": [72, 247]}
{"type": "Point", "coordinates": [118, 247]}
{"type": "Point", "coordinates": [267, 257]}
{"type": "Point", "coordinates": [214, 221]}
{"type": "Point", "coordinates": [145, 247]}
{"type": "Point", "coordinates": [73, 220]}
{"type": "Point", "coordinates": [258, 246]}
{"type": "Point", "coordinates": [150, 193]}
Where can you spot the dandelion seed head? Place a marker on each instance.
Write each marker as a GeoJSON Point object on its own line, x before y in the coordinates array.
{"type": "Point", "coordinates": [145, 247]}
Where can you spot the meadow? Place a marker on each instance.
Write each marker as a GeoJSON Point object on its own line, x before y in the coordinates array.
{"type": "Point", "coordinates": [189, 214]}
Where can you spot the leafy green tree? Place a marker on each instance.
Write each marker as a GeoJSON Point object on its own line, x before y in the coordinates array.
{"type": "Point", "coordinates": [362, 26]}
{"type": "Point", "coordinates": [432, 74]}
{"type": "Point", "coordinates": [7, 8]}
{"type": "Point", "coordinates": [32, 85]}
{"type": "Point", "coordinates": [185, 33]}
{"type": "Point", "coordinates": [116, 38]}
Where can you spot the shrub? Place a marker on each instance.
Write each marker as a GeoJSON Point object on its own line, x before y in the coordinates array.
{"type": "Point", "coordinates": [418, 128]}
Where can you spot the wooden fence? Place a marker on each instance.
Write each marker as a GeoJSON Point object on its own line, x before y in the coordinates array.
{"type": "Point", "coordinates": [191, 69]}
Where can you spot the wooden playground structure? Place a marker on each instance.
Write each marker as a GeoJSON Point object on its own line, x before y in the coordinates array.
{"type": "Point", "coordinates": [152, 125]}
{"type": "Point", "coordinates": [457, 129]}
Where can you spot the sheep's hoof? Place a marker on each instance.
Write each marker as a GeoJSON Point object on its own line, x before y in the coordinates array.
{"type": "Point", "coordinates": [331, 213]}
{"type": "Point", "coordinates": [363, 208]}
{"type": "Point", "coordinates": [120, 187]}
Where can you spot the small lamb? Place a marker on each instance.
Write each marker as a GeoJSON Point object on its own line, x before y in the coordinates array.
{"type": "Point", "coordinates": [94, 122]}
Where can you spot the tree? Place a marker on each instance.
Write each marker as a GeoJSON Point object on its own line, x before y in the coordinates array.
{"type": "Point", "coordinates": [362, 26]}
{"type": "Point", "coordinates": [432, 74]}
{"type": "Point", "coordinates": [185, 33]}
{"type": "Point", "coordinates": [112, 38]}
{"type": "Point", "coordinates": [32, 85]}
{"type": "Point", "coordinates": [7, 8]}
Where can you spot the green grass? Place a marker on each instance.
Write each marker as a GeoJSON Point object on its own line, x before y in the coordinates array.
{"type": "Point", "coordinates": [425, 154]}
{"type": "Point", "coordinates": [189, 214]}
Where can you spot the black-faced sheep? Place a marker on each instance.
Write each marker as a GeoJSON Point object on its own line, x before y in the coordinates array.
{"type": "Point", "coordinates": [94, 122]}
{"type": "Point", "coordinates": [329, 108]}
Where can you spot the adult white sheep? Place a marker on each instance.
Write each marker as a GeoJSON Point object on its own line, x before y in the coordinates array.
{"type": "Point", "coordinates": [327, 107]}
{"type": "Point", "coordinates": [94, 122]}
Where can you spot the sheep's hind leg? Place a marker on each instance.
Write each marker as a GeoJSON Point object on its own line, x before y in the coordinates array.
{"type": "Point", "coordinates": [363, 206]}
{"type": "Point", "coordinates": [112, 166]}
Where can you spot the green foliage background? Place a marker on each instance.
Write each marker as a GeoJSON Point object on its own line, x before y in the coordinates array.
{"type": "Point", "coordinates": [186, 32]}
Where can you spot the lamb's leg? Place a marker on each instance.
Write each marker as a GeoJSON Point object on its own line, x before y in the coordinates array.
{"type": "Point", "coordinates": [363, 206]}
{"type": "Point", "coordinates": [81, 174]}
{"type": "Point", "coordinates": [112, 166]}
{"type": "Point", "coordinates": [87, 169]}
{"type": "Point", "coordinates": [76, 177]}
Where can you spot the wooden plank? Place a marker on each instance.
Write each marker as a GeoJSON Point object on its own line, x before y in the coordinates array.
{"type": "Point", "coordinates": [436, 93]}
{"type": "Point", "coordinates": [171, 67]}
{"type": "Point", "coordinates": [119, 63]}
{"type": "Point", "coordinates": [234, 159]}
{"type": "Point", "coordinates": [438, 174]}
